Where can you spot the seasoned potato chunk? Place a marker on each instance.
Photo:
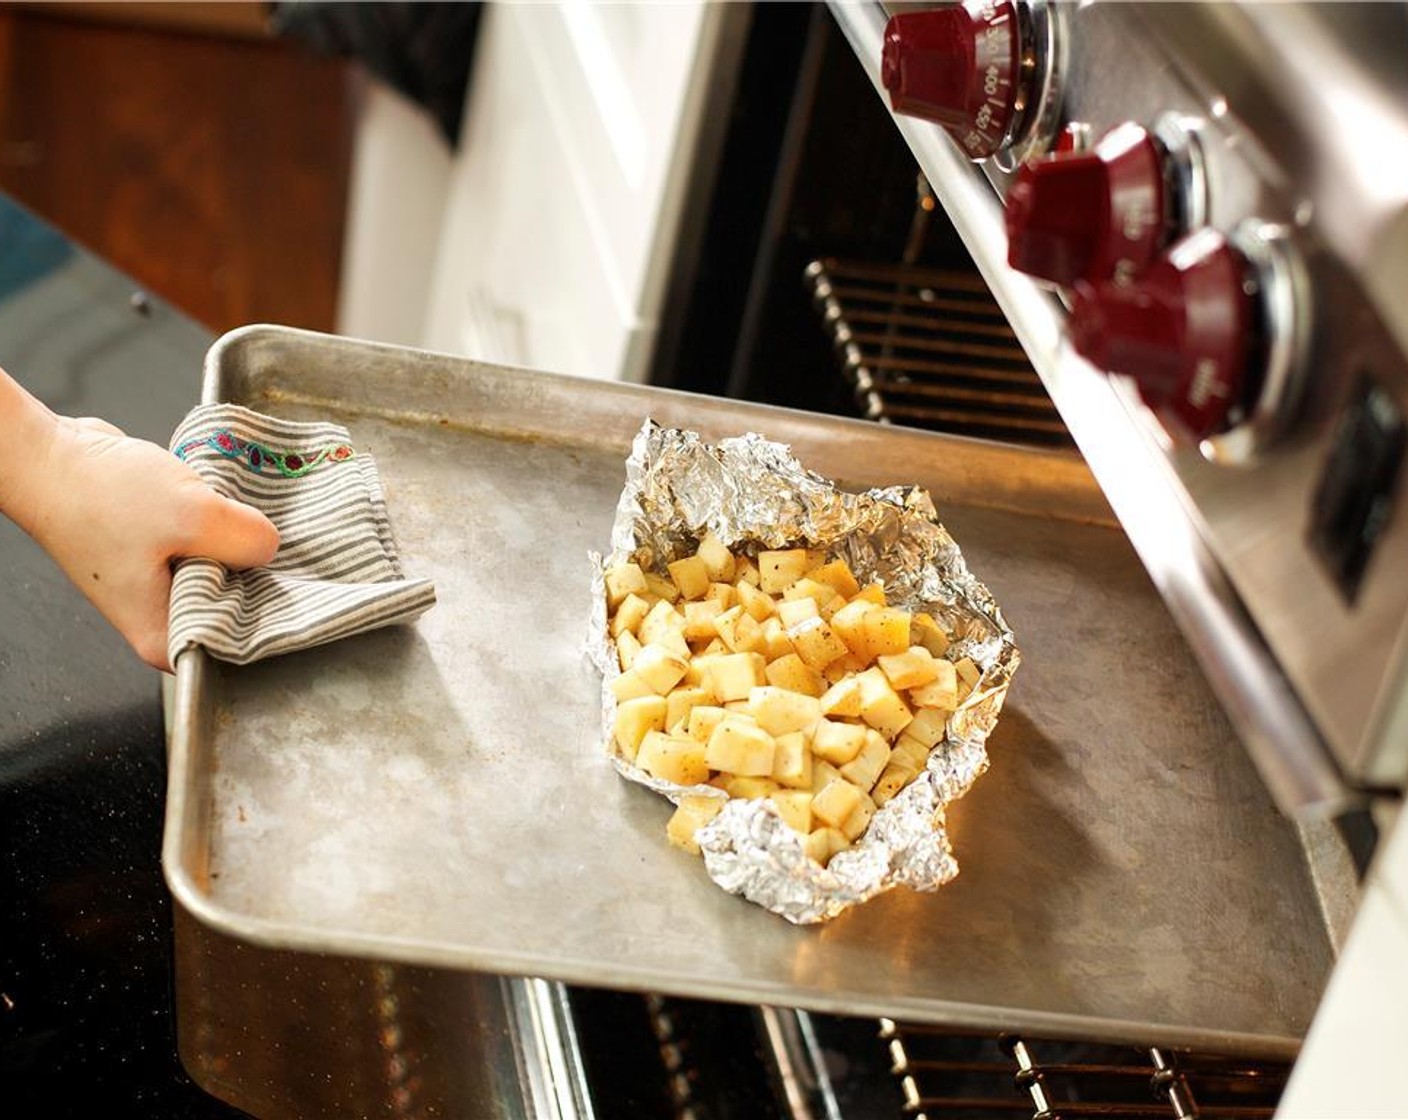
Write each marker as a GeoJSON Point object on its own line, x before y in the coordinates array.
{"type": "Point", "coordinates": [691, 576]}
{"type": "Point", "coordinates": [634, 718]}
{"type": "Point", "coordinates": [792, 761]}
{"type": "Point", "coordinates": [795, 809]}
{"type": "Point", "coordinates": [835, 804]}
{"type": "Point", "coordinates": [733, 675]}
{"type": "Point", "coordinates": [781, 568]}
{"type": "Point", "coordinates": [741, 748]}
{"type": "Point", "coordinates": [837, 743]}
{"type": "Point", "coordinates": [717, 558]}
{"type": "Point", "coordinates": [623, 580]}
{"type": "Point", "coordinates": [673, 760]}
{"type": "Point", "coordinates": [690, 815]}
{"type": "Point", "coordinates": [779, 710]}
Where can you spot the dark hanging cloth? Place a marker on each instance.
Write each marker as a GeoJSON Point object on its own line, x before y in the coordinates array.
{"type": "Point", "coordinates": [423, 50]}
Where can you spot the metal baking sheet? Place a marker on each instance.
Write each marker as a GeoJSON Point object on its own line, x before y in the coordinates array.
{"type": "Point", "coordinates": [436, 794]}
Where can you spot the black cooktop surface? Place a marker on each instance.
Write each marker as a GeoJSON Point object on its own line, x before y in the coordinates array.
{"type": "Point", "coordinates": [86, 1025]}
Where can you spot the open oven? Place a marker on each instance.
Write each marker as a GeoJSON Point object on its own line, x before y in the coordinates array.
{"type": "Point", "coordinates": [840, 264]}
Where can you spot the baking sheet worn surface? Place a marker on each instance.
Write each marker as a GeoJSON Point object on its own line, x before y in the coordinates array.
{"type": "Point", "coordinates": [438, 793]}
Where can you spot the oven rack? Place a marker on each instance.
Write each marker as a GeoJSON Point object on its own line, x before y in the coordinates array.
{"type": "Point", "coordinates": [931, 348]}
{"type": "Point", "coordinates": [829, 1068]}
{"type": "Point", "coordinates": [947, 1074]}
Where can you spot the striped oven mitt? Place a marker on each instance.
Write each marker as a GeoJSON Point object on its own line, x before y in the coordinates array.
{"type": "Point", "coordinates": [336, 573]}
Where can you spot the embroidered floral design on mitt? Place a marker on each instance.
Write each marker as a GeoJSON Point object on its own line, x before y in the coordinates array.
{"type": "Point", "coordinates": [258, 456]}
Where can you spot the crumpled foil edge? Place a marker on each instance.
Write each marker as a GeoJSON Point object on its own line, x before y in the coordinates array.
{"type": "Point", "coordinates": [751, 490]}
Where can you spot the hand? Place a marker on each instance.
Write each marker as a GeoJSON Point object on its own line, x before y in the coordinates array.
{"type": "Point", "coordinates": [115, 512]}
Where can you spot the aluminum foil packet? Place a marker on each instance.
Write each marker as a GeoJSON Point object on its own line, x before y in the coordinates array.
{"type": "Point", "coordinates": [753, 494]}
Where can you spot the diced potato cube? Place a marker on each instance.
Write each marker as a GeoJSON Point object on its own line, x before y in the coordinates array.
{"type": "Point", "coordinates": [893, 779]}
{"type": "Point", "coordinates": [942, 691]}
{"type": "Point", "coordinates": [755, 602]}
{"type": "Point", "coordinates": [881, 706]}
{"type": "Point", "coordinates": [836, 575]}
{"type": "Point", "coordinates": [910, 752]}
{"type": "Point", "coordinates": [968, 675]}
{"type": "Point", "coordinates": [745, 571]}
{"type": "Point", "coordinates": [795, 809]}
{"type": "Point", "coordinates": [741, 748]}
{"type": "Point", "coordinates": [792, 673]}
{"type": "Point", "coordinates": [842, 698]}
{"type": "Point", "coordinates": [927, 726]}
{"type": "Point", "coordinates": [834, 804]}
{"type": "Point", "coordinates": [776, 642]}
{"type": "Point", "coordinates": [692, 814]}
{"type": "Point", "coordinates": [793, 612]}
{"type": "Point", "coordinates": [682, 701]}
{"type": "Point", "coordinates": [629, 614]}
{"type": "Point", "coordinates": [636, 717]}
{"type": "Point", "coordinates": [628, 686]}
{"type": "Point", "coordinates": [815, 643]}
{"type": "Point", "coordinates": [740, 706]}
{"type": "Point", "coordinates": [659, 667]}
{"type": "Point", "coordinates": [703, 718]}
{"type": "Point", "coordinates": [780, 710]}
{"type": "Point", "coordinates": [721, 593]}
{"type": "Point", "coordinates": [886, 631]}
{"type": "Point", "coordinates": [780, 568]}
{"type": "Point", "coordinates": [714, 645]}
{"type": "Point", "coordinates": [627, 646]}
{"type": "Point", "coordinates": [718, 560]}
{"type": "Point", "coordinates": [740, 631]}
{"type": "Point", "coordinates": [823, 773]}
{"type": "Point", "coordinates": [749, 788]}
{"type": "Point", "coordinates": [929, 634]}
{"type": "Point", "coordinates": [806, 588]}
{"type": "Point", "coordinates": [673, 760]}
{"type": "Point", "coordinates": [661, 587]}
{"type": "Point", "coordinates": [837, 743]}
{"type": "Point", "coordinates": [734, 675]}
{"type": "Point", "coordinates": [691, 576]}
{"type": "Point", "coordinates": [823, 843]}
{"type": "Point", "coordinates": [866, 767]}
{"type": "Point", "coordinates": [660, 621]}
{"type": "Point", "coordinates": [849, 625]}
{"type": "Point", "coordinates": [622, 580]}
{"type": "Point", "coordinates": [792, 761]}
{"type": "Point", "coordinates": [700, 619]}
{"type": "Point", "coordinates": [872, 593]}
{"type": "Point", "coordinates": [911, 669]}
{"type": "Point", "coordinates": [859, 820]}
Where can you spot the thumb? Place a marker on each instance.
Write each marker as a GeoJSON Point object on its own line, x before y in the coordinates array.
{"type": "Point", "coordinates": [232, 533]}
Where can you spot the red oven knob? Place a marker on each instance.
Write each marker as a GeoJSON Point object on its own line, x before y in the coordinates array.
{"type": "Point", "coordinates": [1094, 215]}
{"type": "Point", "coordinates": [957, 66]}
{"type": "Point", "coordinates": [1183, 332]}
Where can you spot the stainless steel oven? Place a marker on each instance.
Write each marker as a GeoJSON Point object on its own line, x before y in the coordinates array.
{"type": "Point", "coordinates": [1210, 203]}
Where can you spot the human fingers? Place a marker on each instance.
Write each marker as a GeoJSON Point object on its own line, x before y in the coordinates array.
{"type": "Point", "coordinates": [232, 533]}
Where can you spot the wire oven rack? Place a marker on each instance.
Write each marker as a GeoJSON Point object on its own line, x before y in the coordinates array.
{"type": "Point", "coordinates": [930, 348]}
{"type": "Point", "coordinates": [943, 1074]}
{"type": "Point", "coordinates": [670, 1058]}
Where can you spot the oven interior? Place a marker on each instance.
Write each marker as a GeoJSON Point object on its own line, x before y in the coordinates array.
{"type": "Point", "coordinates": [823, 274]}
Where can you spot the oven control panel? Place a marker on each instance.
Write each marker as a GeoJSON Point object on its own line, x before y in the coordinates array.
{"type": "Point", "coordinates": [1178, 200]}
